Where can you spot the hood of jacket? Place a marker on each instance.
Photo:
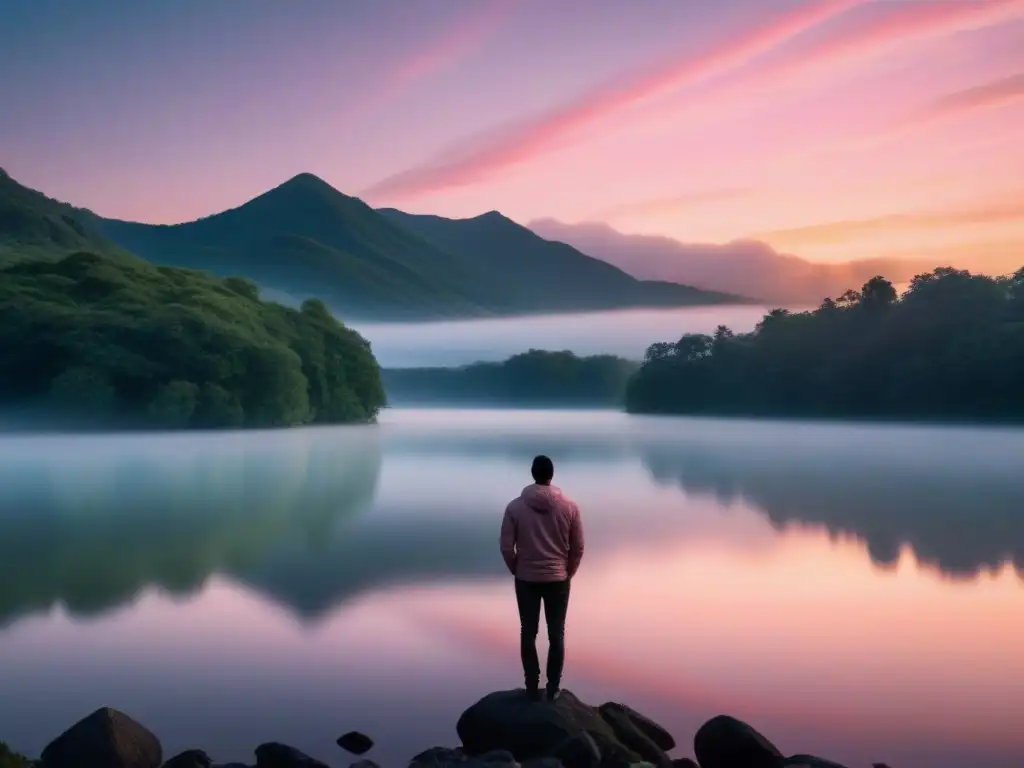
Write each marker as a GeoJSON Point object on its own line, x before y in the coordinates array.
{"type": "Point", "coordinates": [541, 498]}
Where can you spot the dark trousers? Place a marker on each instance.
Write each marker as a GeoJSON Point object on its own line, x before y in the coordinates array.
{"type": "Point", "coordinates": [555, 596]}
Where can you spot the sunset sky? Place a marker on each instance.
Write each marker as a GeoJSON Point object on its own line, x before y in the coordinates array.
{"type": "Point", "coordinates": [833, 129]}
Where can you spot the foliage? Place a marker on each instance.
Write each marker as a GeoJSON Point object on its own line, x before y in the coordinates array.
{"type": "Point", "coordinates": [534, 377]}
{"type": "Point", "coordinates": [951, 347]}
{"type": "Point", "coordinates": [11, 759]}
{"type": "Point", "coordinates": [103, 342]}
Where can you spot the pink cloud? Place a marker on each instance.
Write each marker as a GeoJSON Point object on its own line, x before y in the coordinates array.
{"type": "Point", "coordinates": [458, 42]}
{"type": "Point", "coordinates": [533, 137]}
{"type": "Point", "coordinates": [989, 94]}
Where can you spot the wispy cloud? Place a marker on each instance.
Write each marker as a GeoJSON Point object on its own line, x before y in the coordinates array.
{"type": "Point", "coordinates": [528, 139]}
{"type": "Point", "coordinates": [459, 41]}
{"type": "Point", "coordinates": [655, 205]}
{"type": "Point", "coordinates": [987, 95]}
{"type": "Point", "coordinates": [833, 232]}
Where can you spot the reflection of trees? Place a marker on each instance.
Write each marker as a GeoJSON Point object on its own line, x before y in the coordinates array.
{"type": "Point", "coordinates": [960, 518]}
{"type": "Point", "coordinates": [90, 522]}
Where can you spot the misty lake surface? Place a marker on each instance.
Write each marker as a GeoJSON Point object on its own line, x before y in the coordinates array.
{"type": "Point", "coordinates": [626, 333]}
{"type": "Point", "coordinates": [852, 591]}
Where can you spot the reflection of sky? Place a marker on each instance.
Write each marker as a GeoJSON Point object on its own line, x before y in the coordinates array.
{"type": "Point", "coordinates": [690, 601]}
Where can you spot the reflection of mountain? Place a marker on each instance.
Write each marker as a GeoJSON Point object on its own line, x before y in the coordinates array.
{"type": "Point", "coordinates": [89, 522]}
{"type": "Point", "coordinates": [960, 510]}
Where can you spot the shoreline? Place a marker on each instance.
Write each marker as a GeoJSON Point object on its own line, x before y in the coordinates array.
{"type": "Point", "coordinates": [504, 729]}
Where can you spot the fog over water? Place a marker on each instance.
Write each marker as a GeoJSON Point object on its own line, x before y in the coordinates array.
{"type": "Point", "coordinates": [626, 333]}
{"type": "Point", "coordinates": [844, 588]}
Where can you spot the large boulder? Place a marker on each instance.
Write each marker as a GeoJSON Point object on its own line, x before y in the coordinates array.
{"type": "Point", "coordinates": [725, 742]}
{"type": "Point", "coordinates": [190, 758]}
{"type": "Point", "coordinates": [662, 738]}
{"type": "Point", "coordinates": [105, 739]}
{"type": "Point", "coordinates": [355, 742]}
{"type": "Point", "coordinates": [632, 737]}
{"type": "Point", "coordinates": [276, 755]}
{"type": "Point", "coordinates": [810, 761]}
{"type": "Point", "coordinates": [566, 728]}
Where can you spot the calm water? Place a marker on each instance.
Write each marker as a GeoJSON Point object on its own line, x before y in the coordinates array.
{"type": "Point", "coordinates": [627, 333]}
{"type": "Point", "coordinates": [852, 591]}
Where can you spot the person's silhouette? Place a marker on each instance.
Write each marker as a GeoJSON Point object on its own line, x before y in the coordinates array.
{"type": "Point", "coordinates": [542, 545]}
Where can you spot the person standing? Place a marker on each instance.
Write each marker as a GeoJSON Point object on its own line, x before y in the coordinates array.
{"type": "Point", "coordinates": [542, 546]}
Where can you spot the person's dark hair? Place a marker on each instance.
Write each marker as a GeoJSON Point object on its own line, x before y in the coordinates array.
{"type": "Point", "coordinates": [542, 470]}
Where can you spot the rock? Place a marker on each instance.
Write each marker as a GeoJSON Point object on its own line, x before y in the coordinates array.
{"type": "Point", "coordinates": [632, 737]}
{"type": "Point", "coordinates": [232, 765]}
{"type": "Point", "coordinates": [684, 762]}
{"type": "Point", "coordinates": [496, 757]}
{"type": "Point", "coordinates": [725, 742]}
{"type": "Point", "coordinates": [105, 739]}
{"type": "Point", "coordinates": [190, 758]}
{"type": "Point", "coordinates": [810, 761]}
{"type": "Point", "coordinates": [275, 755]}
{"type": "Point", "coordinates": [578, 751]}
{"type": "Point", "coordinates": [363, 764]}
{"type": "Point", "coordinates": [566, 729]}
{"type": "Point", "coordinates": [355, 742]}
{"type": "Point", "coordinates": [543, 762]}
{"type": "Point", "coordinates": [438, 756]}
{"type": "Point", "coordinates": [661, 738]}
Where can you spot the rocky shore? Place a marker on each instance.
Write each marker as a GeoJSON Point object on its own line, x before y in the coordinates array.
{"type": "Point", "coordinates": [502, 730]}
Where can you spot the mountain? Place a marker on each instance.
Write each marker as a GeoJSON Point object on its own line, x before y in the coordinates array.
{"type": "Point", "coordinates": [746, 267]}
{"type": "Point", "coordinates": [304, 238]}
{"type": "Point", "coordinates": [523, 272]}
{"type": "Point", "coordinates": [34, 226]}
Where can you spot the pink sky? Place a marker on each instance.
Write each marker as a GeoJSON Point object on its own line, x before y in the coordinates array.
{"type": "Point", "coordinates": [834, 129]}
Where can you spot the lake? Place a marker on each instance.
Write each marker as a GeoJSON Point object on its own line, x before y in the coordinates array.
{"type": "Point", "coordinates": [627, 333]}
{"type": "Point", "coordinates": [852, 591]}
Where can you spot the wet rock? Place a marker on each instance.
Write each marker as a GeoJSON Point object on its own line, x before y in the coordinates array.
{"type": "Point", "coordinates": [810, 761]}
{"type": "Point", "coordinates": [632, 737]}
{"type": "Point", "coordinates": [190, 758]}
{"type": "Point", "coordinates": [566, 729]}
{"type": "Point", "coordinates": [276, 755]}
{"type": "Point", "coordinates": [355, 742]}
{"type": "Point", "coordinates": [105, 739]}
{"type": "Point", "coordinates": [661, 737]}
{"type": "Point", "coordinates": [725, 742]}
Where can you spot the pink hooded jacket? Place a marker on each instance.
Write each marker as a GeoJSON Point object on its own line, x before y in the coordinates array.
{"type": "Point", "coordinates": [542, 535]}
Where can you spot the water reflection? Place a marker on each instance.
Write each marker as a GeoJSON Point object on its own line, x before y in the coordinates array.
{"type": "Point", "coordinates": [954, 496]}
{"type": "Point", "coordinates": [89, 523]}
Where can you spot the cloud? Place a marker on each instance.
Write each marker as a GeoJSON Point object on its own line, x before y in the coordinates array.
{"type": "Point", "coordinates": [459, 41]}
{"type": "Point", "coordinates": [835, 232]}
{"type": "Point", "coordinates": [523, 141]}
{"type": "Point", "coordinates": [651, 206]}
{"type": "Point", "coordinates": [987, 95]}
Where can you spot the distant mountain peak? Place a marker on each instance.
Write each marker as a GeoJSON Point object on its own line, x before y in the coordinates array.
{"type": "Point", "coordinates": [306, 180]}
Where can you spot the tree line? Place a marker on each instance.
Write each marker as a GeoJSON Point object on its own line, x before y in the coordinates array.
{"type": "Point", "coordinates": [92, 341]}
{"type": "Point", "coordinates": [950, 347]}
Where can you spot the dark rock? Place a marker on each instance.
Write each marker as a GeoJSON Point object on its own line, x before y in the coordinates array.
{"type": "Point", "coordinates": [496, 756]}
{"type": "Point", "coordinates": [662, 738]}
{"type": "Point", "coordinates": [578, 750]}
{"type": "Point", "coordinates": [232, 765]}
{"type": "Point", "coordinates": [355, 742]}
{"type": "Point", "coordinates": [632, 737]}
{"type": "Point", "coordinates": [543, 762]}
{"type": "Point", "coordinates": [364, 764]}
{"type": "Point", "coordinates": [438, 756]}
{"type": "Point", "coordinates": [725, 742]}
{"type": "Point", "coordinates": [810, 761]}
{"type": "Point", "coordinates": [684, 762]}
{"type": "Point", "coordinates": [105, 739]}
{"type": "Point", "coordinates": [528, 729]}
{"type": "Point", "coordinates": [190, 758]}
{"type": "Point", "coordinates": [276, 755]}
